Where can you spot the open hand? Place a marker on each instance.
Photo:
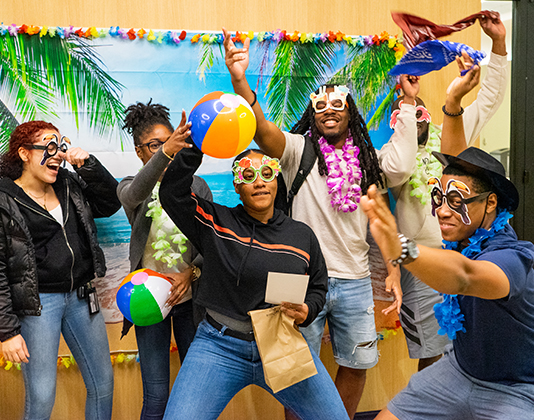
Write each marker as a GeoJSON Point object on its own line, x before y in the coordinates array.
{"type": "Point", "coordinates": [393, 286]}
{"type": "Point", "coordinates": [381, 223]}
{"type": "Point", "coordinates": [177, 140]}
{"type": "Point", "coordinates": [236, 59]}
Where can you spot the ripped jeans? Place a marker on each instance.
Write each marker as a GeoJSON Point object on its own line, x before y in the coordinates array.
{"type": "Point", "coordinates": [349, 310]}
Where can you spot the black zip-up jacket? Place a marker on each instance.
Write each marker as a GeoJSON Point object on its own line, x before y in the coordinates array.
{"type": "Point", "coordinates": [37, 254]}
{"type": "Point", "coordinates": [239, 251]}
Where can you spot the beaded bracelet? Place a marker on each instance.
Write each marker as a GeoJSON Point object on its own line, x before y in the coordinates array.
{"type": "Point", "coordinates": [448, 114]}
{"type": "Point", "coordinates": [404, 252]}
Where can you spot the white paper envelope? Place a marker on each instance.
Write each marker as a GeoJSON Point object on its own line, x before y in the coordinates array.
{"type": "Point", "coordinates": [285, 287]}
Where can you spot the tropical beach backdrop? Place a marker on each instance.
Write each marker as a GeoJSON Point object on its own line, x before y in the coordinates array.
{"type": "Point", "coordinates": [82, 81]}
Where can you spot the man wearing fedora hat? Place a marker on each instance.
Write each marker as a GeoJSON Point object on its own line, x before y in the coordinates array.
{"type": "Point", "coordinates": [486, 275]}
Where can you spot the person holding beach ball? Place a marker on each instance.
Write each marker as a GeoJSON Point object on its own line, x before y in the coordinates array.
{"type": "Point", "coordinates": [159, 250]}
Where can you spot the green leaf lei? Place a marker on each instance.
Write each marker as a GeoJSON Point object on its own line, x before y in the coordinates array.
{"type": "Point", "coordinates": [426, 167]}
{"type": "Point", "coordinates": [162, 246]}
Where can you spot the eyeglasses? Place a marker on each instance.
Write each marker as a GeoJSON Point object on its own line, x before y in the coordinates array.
{"type": "Point", "coordinates": [245, 173]}
{"type": "Point", "coordinates": [336, 100]}
{"type": "Point", "coordinates": [52, 147]}
{"type": "Point", "coordinates": [421, 114]}
{"type": "Point", "coordinates": [153, 145]}
{"type": "Point", "coordinates": [265, 172]}
{"type": "Point", "coordinates": [454, 199]}
{"type": "Point", "coordinates": [335, 104]}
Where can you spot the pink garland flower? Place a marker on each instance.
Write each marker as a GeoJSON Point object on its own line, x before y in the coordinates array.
{"type": "Point", "coordinates": [336, 180]}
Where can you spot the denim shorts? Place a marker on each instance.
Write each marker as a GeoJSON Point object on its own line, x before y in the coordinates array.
{"type": "Point", "coordinates": [349, 310]}
{"type": "Point", "coordinates": [443, 391]}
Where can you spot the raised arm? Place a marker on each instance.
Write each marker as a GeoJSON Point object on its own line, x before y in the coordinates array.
{"type": "Point", "coordinates": [397, 156]}
{"type": "Point", "coordinates": [445, 271]}
{"type": "Point", "coordinates": [132, 191]}
{"type": "Point", "coordinates": [176, 196]}
{"type": "Point", "coordinates": [98, 185]}
{"type": "Point", "coordinates": [493, 88]}
{"type": "Point", "coordinates": [453, 139]}
{"type": "Point", "coordinates": [491, 93]}
{"type": "Point", "coordinates": [268, 136]}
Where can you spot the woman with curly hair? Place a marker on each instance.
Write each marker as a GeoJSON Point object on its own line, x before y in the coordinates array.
{"type": "Point", "coordinates": [156, 243]}
{"type": "Point", "coordinates": [49, 255]}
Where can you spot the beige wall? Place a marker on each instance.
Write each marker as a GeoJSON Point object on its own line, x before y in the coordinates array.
{"type": "Point", "coordinates": [350, 17]}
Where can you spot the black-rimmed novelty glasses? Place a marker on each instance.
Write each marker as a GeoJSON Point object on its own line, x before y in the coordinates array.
{"type": "Point", "coordinates": [54, 144]}
{"type": "Point", "coordinates": [454, 199]}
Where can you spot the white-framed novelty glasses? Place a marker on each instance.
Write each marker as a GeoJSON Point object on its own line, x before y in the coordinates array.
{"type": "Point", "coordinates": [336, 100]}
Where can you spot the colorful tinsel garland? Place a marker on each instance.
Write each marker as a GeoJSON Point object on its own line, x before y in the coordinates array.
{"type": "Point", "coordinates": [118, 356]}
{"type": "Point", "coordinates": [175, 37]}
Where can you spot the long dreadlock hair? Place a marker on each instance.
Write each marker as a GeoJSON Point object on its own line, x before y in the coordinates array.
{"type": "Point", "coordinates": [140, 118]}
{"type": "Point", "coordinates": [371, 172]}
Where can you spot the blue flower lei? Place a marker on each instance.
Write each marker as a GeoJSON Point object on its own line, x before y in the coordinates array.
{"type": "Point", "coordinates": [448, 313]}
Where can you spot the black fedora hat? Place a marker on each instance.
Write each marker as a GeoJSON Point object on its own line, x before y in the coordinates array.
{"type": "Point", "coordinates": [481, 164]}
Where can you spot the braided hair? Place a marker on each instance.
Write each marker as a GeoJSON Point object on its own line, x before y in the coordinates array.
{"type": "Point", "coordinates": [371, 172]}
{"type": "Point", "coordinates": [141, 118]}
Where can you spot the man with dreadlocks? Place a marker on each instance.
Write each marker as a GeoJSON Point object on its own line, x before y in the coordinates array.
{"type": "Point", "coordinates": [408, 165]}
{"type": "Point", "coordinates": [328, 200]}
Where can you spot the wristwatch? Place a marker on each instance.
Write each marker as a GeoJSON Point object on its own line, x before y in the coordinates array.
{"type": "Point", "coordinates": [196, 272]}
{"type": "Point", "coordinates": [410, 251]}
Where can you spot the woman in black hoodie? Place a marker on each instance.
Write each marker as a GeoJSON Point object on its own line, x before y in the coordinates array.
{"type": "Point", "coordinates": [49, 253]}
{"type": "Point", "coordinates": [240, 246]}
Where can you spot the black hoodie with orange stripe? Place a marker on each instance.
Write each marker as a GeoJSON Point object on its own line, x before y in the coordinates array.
{"type": "Point", "coordinates": [239, 250]}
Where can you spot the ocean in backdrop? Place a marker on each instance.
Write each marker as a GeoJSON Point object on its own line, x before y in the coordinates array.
{"type": "Point", "coordinates": [114, 236]}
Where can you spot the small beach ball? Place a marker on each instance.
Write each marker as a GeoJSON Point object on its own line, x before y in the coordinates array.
{"type": "Point", "coordinates": [223, 124]}
{"type": "Point", "coordinates": [142, 295]}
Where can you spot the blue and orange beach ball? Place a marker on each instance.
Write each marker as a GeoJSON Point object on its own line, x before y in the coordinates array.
{"type": "Point", "coordinates": [223, 124]}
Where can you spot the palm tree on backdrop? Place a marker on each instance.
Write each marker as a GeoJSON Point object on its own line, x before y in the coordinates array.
{"type": "Point", "coordinates": [37, 73]}
{"type": "Point", "coordinates": [299, 68]}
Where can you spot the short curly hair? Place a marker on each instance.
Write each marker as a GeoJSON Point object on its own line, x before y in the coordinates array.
{"type": "Point", "coordinates": [10, 163]}
{"type": "Point", "coordinates": [141, 118]}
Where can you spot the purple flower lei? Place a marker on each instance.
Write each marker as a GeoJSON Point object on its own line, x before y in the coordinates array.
{"type": "Point", "coordinates": [336, 179]}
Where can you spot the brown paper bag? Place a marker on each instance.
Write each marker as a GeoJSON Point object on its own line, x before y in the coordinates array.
{"type": "Point", "coordinates": [285, 355]}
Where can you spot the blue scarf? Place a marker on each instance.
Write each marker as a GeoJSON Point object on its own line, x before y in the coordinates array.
{"type": "Point", "coordinates": [448, 313]}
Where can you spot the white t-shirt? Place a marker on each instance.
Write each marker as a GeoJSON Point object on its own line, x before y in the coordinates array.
{"type": "Point", "coordinates": [341, 235]}
{"type": "Point", "coordinates": [57, 214]}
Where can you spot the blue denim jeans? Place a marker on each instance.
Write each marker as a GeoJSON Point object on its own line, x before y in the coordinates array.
{"type": "Point", "coordinates": [86, 336]}
{"type": "Point", "coordinates": [153, 343]}
{"type": "Point", "coordinates": [349, 309]}
{"type": "Point", "coordinates": [218, 366]}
